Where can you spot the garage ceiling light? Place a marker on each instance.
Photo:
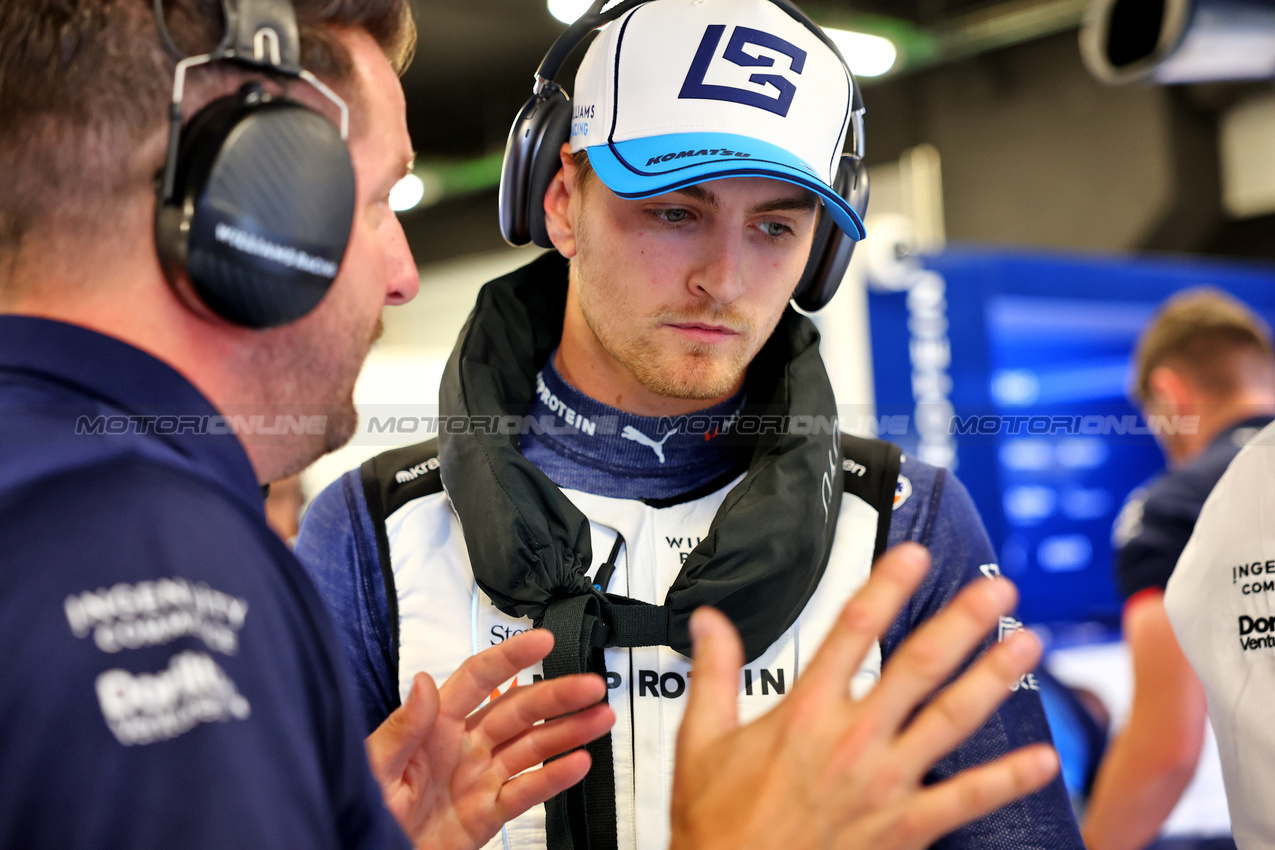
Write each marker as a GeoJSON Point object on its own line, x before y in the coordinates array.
{"type": "Point", "coordinates": [407, 193]}
{"type": "Point", "coordinates": [867, 55]}
{"type": "Point", "coordinates": [567, 10]}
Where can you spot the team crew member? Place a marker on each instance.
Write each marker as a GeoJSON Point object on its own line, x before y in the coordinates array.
{"type": "Point", "coordinates": [1205, 359]}
{"type": "Point", "coordinates": [170, 676]}
{"type": "Point", "coordinates": [650, 359]}
{"type": "Point", "coordinates": [1219, 602]}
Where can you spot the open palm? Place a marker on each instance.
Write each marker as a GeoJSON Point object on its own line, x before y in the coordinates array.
{"type": "Point", "coordinates": [453, 775]}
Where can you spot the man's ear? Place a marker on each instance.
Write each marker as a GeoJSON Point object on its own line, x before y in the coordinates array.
{"type": "Point", "coordinates": [559, 215]}
{"type": "Point", "coordinates": [1171, 391]}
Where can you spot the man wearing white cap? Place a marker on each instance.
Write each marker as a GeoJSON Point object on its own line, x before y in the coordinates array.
{"type": "Point", "coordinates": [638, 425]}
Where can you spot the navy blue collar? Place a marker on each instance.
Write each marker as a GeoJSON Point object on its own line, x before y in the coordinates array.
{"type": "Point", "coordinates": [587, 445]}
{"type": "Point", "coordinates": [1231, 434]}
{"type": "Point", "coordinates": [82, 366]}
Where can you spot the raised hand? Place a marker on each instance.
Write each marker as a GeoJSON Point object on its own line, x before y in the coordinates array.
{"type": "Point", "coordinates": [823, 770]}
{"type": "Point", "coordinates": [452, 776]}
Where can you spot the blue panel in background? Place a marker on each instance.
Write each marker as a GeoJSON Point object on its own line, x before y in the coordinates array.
{"type": "Point", "coordinates": [1013, 369]}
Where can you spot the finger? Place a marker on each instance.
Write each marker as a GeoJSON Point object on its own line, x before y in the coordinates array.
{"type": "Point", "coordinates": [964, 705]}
{"type": "Point", "coordinates": [547, 740]}
{"type": "Point", "coordinates": [475, 679]}
{"type": "Point", "coordinates": [712, 703]}
{"type": "Point", "coordinates": [934, 651]}
{"type": "Point", "coordinates": [394, 742]}
{"type": "Point", "coordinates": [520, 708]}
{"type": "Point", "coordinates": [895, 577]}
{"type": "Point", "coordinates": [939, 809]}
{"type": "Point", "coordinates": [530, 789]}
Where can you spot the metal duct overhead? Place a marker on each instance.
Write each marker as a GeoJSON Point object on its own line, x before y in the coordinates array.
{"type": "Point", "coordinates": [1179, 41]}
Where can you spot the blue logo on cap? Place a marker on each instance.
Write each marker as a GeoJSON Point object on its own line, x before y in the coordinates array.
{"type": "Point", "coordinates": [694, 88]}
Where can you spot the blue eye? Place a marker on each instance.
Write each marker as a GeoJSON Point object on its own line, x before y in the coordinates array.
{"type": "Point", "coordinates": [673, 216]}
{"type": "Point", "coordinates": [669, 216]}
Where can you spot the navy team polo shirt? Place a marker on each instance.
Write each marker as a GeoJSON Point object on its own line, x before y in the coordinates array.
{"type": "Point", "coordinates": [1157, 519]}
{"type": "Point", "coordinates": [168, 674]}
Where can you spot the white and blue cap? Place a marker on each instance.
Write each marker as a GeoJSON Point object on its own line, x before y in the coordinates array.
{"type": "Point", "coordinates": [678, 92]}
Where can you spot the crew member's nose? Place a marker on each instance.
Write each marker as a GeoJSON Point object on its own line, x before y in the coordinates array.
{"type": "Point", "coordinates": [404, 281]}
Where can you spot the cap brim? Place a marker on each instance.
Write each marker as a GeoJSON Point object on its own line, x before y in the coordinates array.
{"type": "Point", "coordinates": [643, 168]}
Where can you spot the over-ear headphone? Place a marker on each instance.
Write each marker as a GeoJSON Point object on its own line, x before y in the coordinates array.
{"type": "Point", "coordinates": [532, 158]}
{"type": "Point", "coordinates": [256, 199]}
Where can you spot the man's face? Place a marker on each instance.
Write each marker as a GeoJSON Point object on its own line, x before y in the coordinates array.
{"type": "Point", "coordinates": [314, 362]}
{"type": "Point", "coordinates": [676, 294]}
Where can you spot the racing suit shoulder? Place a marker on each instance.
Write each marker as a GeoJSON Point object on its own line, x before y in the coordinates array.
{"type": "Point", "coordinates": [871, 470]}
{"type": "Point", "coordinates": [344, 547]}
{"type": "Point", "coordinates": [934, 509]}
{"type": "Point", "coordinates": [337, 547]}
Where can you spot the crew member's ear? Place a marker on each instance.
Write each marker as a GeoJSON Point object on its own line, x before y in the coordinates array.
{"type": "Point", "coordinates": [559, 216]}
{"type": "Point", "coordinates": [1170, 391]}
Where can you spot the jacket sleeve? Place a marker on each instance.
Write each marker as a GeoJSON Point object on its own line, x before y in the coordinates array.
{"type": "Point", "coordinates": [938, 513]}
{"type": "Point", "coordinates": [337, 544]}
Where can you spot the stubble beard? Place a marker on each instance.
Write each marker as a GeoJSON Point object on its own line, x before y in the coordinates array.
{"type": "Point", "coordinates": [305, 385]}
{"type": "Point", "coordinates": [343, 418]}
{"type": "Point", "coordinates": [686, 370]}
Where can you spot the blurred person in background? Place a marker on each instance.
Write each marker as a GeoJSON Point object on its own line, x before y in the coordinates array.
{"type": "Point", "coordinates": [1204, 362]}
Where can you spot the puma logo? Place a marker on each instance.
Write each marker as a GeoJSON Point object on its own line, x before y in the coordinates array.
{"type": "Point", "coordinates": [631, 433]}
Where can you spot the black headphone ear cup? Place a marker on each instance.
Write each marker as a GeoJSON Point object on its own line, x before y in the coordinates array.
{"type": "Point", "coordinates": [171, 226]}
{"type": "Point", "coordinates": [831, 249]}
{"type": "Point", "coordinates": [531, 161]}
{"type": "Point", "coordinates": [262, 209]}
{"type": "Point", "coordinates": [200, 140]}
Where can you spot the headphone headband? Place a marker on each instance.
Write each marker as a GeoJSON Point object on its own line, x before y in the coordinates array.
{"type": "Point", "coordinates": [592, 19]}
{"type": "Point", "coordinates": [263, 37]}
{"type": "Point", "coordinates": [262, 33]}
{"type": "Point", "coordinates": [266, 36]}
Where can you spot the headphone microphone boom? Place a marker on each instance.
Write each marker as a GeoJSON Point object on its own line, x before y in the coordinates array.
{"type": "Point", "coordinates": [544, 124]}
{"type": "Point", "coordinates": [256, 200]}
